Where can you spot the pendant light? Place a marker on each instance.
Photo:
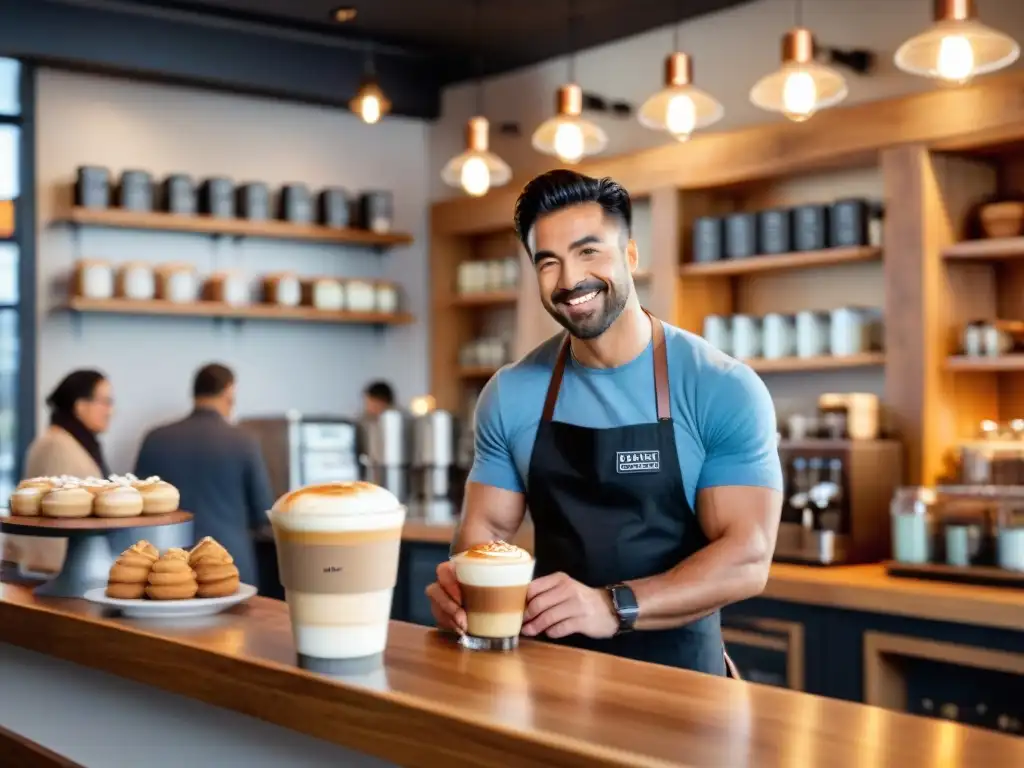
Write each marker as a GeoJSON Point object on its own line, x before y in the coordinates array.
{"type": "Point", "coordinates": [680, 107]}
{"type": "Point", "coordinates": [568, 135]}
{"type": "Point", "coordinates": [802, 85]}
{"type": "Point", "coordinates": [477, 169]}
{"type": "Point", "coordinates": [370, 103]}
{"type": "Point", "coordinates": [957, 46]}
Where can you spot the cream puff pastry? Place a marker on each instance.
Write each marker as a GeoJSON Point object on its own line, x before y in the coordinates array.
{"type": "Point", "coordinates": [69, 501]}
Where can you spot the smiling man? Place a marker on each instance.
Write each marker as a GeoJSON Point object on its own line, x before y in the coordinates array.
{"type": "Point", "coordinates": [647, 458]}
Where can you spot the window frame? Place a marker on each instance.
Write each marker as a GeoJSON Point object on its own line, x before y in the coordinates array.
{"type": "Point", "coordinates": [24, 238]}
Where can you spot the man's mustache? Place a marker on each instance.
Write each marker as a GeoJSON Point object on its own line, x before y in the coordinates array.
{"type": "Point", "coordinates": [563, 295]}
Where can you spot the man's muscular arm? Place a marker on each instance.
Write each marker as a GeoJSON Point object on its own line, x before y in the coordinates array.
{"type": "Point", "coordinates": [488, 513]}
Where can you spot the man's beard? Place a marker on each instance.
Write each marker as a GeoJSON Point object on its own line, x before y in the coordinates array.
{"type": "Point", "coordinates": [607, 306]}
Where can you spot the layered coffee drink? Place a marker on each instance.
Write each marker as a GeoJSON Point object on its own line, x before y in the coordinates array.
{"type": "Point", "coordinates": [337, 553]}
{"type": "Point", "coordinates": [493, 578]}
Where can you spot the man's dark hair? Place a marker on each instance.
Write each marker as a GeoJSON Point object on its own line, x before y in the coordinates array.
{"type": "Point", "coordinates": [211, 380]}
{"type": "Point", "coordinates": [381, 390]}
{"type": "Point", "coordinates": [561, 188]}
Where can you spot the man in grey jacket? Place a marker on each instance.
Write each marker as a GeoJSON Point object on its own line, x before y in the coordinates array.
{"type": "Point", "coordinates": [218, 468]}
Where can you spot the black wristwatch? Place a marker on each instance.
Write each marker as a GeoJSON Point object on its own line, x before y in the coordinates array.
{"type": "Point", "coordinates": [626, 608]}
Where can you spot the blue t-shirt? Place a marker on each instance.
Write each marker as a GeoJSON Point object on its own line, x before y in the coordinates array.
{"type": "Point", "coordinates": [722, 412]}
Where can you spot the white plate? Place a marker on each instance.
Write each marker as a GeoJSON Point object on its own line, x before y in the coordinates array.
{"type": "Point", "coordinates": [158, 609]}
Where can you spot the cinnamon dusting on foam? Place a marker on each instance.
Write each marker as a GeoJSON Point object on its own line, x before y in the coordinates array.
{"type": "Point", "coordinates": [353, 497]}
{"type": "Point", "coordinates": [496, 550]}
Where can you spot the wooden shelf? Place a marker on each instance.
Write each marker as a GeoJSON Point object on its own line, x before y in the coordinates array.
{"type": "Point", "coordinates": [779, 262]}
{"type": "Point", "coordinates": [991, 249]}
{"type": "Point", "coordinates": [981, 364]}
{"type": "Point", "coordinates": [208, 225]}
{"type": "Point", "coordinates": [477, 371]}
{"type": "Point", "coordinates": [794, 364]}
{"type": "Point", "coordinates": [486, 298]}
{"type": "Point", "coordinates": [215, 309]}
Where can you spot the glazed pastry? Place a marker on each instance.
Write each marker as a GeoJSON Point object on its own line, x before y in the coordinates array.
{"type": "Point", "coordinates": [171, 577]}
{"type": "Point", "coordinates": [28, 496]}
{"type": "Point", "coordinates": [129, 574]}
{"type": "Point", "coordinates": [68, 501]}
{"type": "Point", "coordinates": [215, 569]}
{"type": "Point", "coordinates": [209, 546]}
{"type": "Point", "coordinates": [158, 497]}
{"type": "Point", "coordinates": [96, 485]}
{"type": "Point", "coordinates": [118, 501]}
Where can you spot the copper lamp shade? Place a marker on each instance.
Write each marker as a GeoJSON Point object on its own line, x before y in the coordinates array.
{"type": "Point", "coordinates": [477, 170]}
{"type": "Point", "coordinates": [568, 135]}
{"type": "Point", "coordinates": [801, 86]}
{"type": "Point", "coordinates": [957, 46]}
{"type": "Point", "coordinates": [680, 107]}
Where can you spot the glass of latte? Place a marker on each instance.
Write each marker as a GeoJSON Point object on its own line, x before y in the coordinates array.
{"type": "Point", "coordinates": [493, 578]}
{"type": "Point", "coordinates": [337, 553]}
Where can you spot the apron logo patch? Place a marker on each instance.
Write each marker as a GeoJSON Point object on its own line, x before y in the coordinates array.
{"type": "Point", "coordinates": [627, 462]}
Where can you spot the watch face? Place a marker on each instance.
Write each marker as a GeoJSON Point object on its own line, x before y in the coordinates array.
{"type": "Point", "coordinates": [625, 605]}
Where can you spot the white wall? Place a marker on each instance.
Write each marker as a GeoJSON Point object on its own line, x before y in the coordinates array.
{"type": "Point", "coordinates": [86, 119]}
{"type": "Point", "coordinates": [731, 49]}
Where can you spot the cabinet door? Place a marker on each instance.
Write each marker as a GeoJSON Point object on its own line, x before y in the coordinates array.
{"type": "Point", "coordinates": [767, 651]}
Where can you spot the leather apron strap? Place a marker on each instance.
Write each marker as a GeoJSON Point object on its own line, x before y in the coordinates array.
{"type": "Point", "coordinates": [661, 393]}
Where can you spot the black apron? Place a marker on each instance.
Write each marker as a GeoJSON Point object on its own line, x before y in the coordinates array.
{"type": "Point", "coordinates": [608, 505]}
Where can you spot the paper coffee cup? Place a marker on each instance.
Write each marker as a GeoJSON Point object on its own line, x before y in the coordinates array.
{"type": "Point", "coordinates": [337, 550]}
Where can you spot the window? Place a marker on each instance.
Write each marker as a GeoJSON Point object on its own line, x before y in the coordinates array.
{"type": "Point", "coordinates": [17, 272]}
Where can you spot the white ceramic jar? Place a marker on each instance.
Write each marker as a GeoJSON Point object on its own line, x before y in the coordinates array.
{"type": "Point", "coordinates": [94, 279]}
{"type": "Point", "coordinates": [779, 332]}
{"type": "Point", "coordinates": [718, 333]}
{"type": "Point", "coordinates": [326, 294]}
{"type": "Point", "coordinates": [360, 296]}
{"type": "Point", "coordinates": [177, 283]}
{"type": "Point", "coordinates": [812, 334]}
{"type": "Point", "coordinates": [136, 281]}
{"type": "Point", "coordinates": [387, 298]}
{"type": "Point", "coordinates": [746, 337]}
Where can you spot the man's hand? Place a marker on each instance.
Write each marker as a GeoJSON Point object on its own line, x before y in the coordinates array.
{"type": "Point", "coordinates": [558, 606]}
{"type": "Point", "coordinates": [446, 600]}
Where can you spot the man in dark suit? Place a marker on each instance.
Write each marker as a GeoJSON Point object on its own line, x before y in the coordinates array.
{"type": "Point", "coordinates": [218, 468]}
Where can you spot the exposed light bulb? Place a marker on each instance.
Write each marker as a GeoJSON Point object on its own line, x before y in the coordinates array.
{"type": "Point", "coordinates": [956, 59]}
{"type": "Point", "coordinates": [681, 116]}
{"type": "Point", "coordinates": [475, 177]}
{"type": "Point", "coordinates": [799, 96]}
{"type": "Point", "coordinates": [369, 108]}
{"type": "Point", "coordinates": [569, 142]}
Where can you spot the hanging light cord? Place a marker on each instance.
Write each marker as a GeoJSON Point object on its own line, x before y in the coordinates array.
{"type": "Point", "coordinates": [799, 13]}
{"type": "Point", "coordinates": [369, 68]}
{"type": "Point", "coordinates": [570, 29]}
{"type": "Point", "coordinates": [678, 24]}
{"type": "Point", "coordinates": [478, 13]}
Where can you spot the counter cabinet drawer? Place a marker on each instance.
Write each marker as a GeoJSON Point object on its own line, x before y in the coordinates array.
{"type": "Point", "coordinates": [766, 651]}
{"type": "Point", "coordinates": [975, 686]}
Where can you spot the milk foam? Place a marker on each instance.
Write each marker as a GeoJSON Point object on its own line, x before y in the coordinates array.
{"type": "Point", "coordinates": [337, 508]}
{"type": "Point", "coordinates": [509, 567]}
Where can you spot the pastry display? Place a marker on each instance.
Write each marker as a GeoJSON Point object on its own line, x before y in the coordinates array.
{"type": "Point", "coordinates": [129, 575]}
{"type": "Point", "coordinates": [67, 501]}
{"type": "Point", "coordinates": [215, 569]}
{"type": "Point", "coordinates": [141, 572]}
{"type": "Point", "coordinates": [77, 497]}
{"type": "Point", "coordinates": [118, 501]}
{"type": "Point", "coordinates": [171, 577]}
{"type": "Point", "coordinates": [28, 496]}
{"type": "Point", "coordinates": [158, 497]}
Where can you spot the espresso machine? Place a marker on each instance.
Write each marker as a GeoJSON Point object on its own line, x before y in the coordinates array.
{"type": "Point", "coordinates": [414, 457]}
{"type": "Point", "coordinates": [386, 457]}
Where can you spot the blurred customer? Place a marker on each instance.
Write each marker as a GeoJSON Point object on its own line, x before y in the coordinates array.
{"type": "Point", "coordinates": [80, 409]}
{"type": "Point", "coordinates": [218, 468]}
{"type": "Point", "coordinates": [377, 398]}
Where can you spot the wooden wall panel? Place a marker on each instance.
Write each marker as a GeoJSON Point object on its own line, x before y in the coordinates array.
{"type": "Point", "coordinates": [926, 199]}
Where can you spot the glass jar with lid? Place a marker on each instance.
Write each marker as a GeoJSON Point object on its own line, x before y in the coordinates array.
{"type": "Point", "coordinates": [913, 524]}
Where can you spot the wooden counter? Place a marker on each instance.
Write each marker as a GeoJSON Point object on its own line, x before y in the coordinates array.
{"type": "Point", "coordinates": [854, 587]}
{"type": "Point", "coordinates": [436, 704]}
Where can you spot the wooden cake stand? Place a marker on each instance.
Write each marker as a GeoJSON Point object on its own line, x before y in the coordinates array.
{"type": "Point", "coordinates": [88, 560]}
